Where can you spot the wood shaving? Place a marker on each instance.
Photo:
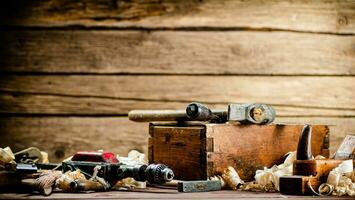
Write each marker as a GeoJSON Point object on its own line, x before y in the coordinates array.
{"type": "Point", "coordinates": [231, 177]}
{"type": "Point", "coordinates": [6, 155]}
{"type": "Point", "coordinates": [268, 178]}
{"type": "Point", "coordinates": [342, 178]}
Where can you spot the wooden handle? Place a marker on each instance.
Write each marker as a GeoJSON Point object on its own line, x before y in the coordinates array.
{"type": "Point", "coordinates": [86, 185]}
{"type": "Point", "coordinates": [157, 115]}
{"type": "Point", "coordinates": [36, 186]}
{"type": "Point", "coordinates": [166, 115]}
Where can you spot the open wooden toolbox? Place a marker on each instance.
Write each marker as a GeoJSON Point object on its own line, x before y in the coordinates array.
{"type": "Point", "coordinates": [197, 151]}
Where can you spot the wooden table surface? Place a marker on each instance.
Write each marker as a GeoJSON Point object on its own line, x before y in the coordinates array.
{"type": "Point", "coordinates": [158, 193]}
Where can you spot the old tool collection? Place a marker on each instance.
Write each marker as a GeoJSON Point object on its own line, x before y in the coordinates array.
{"type": "Point", "coordinates": [309, 173]}
{"type": "Point", "coordinates": [300, 174]}
{"type": "Point", "coordinates": [97, 171]}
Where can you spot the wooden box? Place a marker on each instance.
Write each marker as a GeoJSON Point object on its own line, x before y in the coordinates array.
{"type": "Point", "coordinates": [198, 151]}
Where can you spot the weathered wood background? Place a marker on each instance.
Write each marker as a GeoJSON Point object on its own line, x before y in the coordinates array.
{"type": "Point", "coordinates": [71, 70]}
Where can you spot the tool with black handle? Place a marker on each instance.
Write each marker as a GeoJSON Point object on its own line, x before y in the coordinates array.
{"type": "Point", "coordinates": [112, 172]}
{"type": "Point", "coordinates": [242, 113]}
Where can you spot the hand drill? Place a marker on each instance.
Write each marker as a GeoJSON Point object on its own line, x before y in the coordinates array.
{"type": "Point", "coordinates": [111, 170]}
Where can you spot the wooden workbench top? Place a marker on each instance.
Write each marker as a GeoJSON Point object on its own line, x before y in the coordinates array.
{"type": "Point", "coordinates": [157, 193]}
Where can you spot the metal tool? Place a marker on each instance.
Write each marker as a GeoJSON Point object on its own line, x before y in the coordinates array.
{"type": "Point", "coordinates": [21, 168]}
{"type": "Point", "coordinates": [199, 186]}
{"type": "Point", "coordinates": [243, 113]}
{"type": "Point", "coordinates": [29, 155]}
{"type": "Point", "coordinates": [347, 149]}
{"type": "Point", "coordinates": [199, 112]}
{"type": "Point", "coordinates": [111, 170]}
{"type": "Point", "coordinates": [251, 113]}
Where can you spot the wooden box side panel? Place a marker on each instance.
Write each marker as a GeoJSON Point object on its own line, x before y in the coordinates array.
{"type": "Point", "coordinates": [251, 147]}
{"type": "Point", "coordinates": [183, 149]}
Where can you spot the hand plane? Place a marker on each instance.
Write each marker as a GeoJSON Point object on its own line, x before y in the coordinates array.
{"type": "Point", "coordinates": [307, 172]}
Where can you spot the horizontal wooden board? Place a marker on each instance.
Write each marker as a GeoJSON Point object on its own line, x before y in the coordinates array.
{"type": "Point", "coordinates": [170, 52]}
{"type": "Point", "coordinates": [116, 95]}
{"type": "Point", "coordinates": [165, 193]}
{"type": "Point", "coordinates": [317, 16]}
{"type": "Point", "coordinates": [63, 136]}
{"type": "Point", "coordinates": [38, 104]}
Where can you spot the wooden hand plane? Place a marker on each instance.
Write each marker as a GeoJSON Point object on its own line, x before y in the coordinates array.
{"type": "Point", "coordinates": [307, 172]}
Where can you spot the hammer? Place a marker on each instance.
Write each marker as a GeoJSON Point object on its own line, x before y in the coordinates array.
{"type": "Point", "coordinates": [243, 113]}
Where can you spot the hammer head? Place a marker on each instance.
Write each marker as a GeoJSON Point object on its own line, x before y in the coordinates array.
{"type": "Point", "coordinates": [251, 113]}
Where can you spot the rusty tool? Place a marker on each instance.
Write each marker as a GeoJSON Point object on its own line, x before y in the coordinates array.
{"type": "Point", "coordinates": [29, 155]}
{"type": "Point", "coordinates": [243, 113]}
{"type": "Point", "coordinates": [111, 170]}
{"type": "Point", "coordinates": [199, 186]}
{"type": "Point", "coordinates": [251, 113]}
{"type": "Point", "coordinates": [199, 112]}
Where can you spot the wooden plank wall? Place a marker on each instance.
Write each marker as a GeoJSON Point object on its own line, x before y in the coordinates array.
{"type": "Point", "coordinates": [71, 70]}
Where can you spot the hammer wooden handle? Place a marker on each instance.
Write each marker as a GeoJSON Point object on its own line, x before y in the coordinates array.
{"type": "Point", "coordinates": [86, 185]}
{"type": "Point", "coordinates": [166, 115]}
{"type": "Point", "coordinates": [157, 115]}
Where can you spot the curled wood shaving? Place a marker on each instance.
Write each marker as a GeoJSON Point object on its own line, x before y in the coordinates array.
{"type": "Point", "coordinates": [342, 179]}
{"type": "Point", "coordinates": [270, 176]}
{"type": "Point", "coordinates": [231, 177]}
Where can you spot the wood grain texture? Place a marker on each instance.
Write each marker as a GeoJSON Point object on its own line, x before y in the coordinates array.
{"type": "Point", "coordinates": [116, 95]}
{"type": "Point", "coordinates": [316, 16]}
{"type": "Point", "coordinates": [163, 193]}
{"type": "Point", "coordinates": [39, 104]}
{"type": "Point", "coordinates": [182, 149]}
{"type": "Point", "coordinates": [248, 148]}
{"type": "Point", "coordinates": [170, 52]}
{"type": "Point", "coordinates": [339, 127]}
{"type": "Point", "coordinates": [63, 136]}
{"type": "Point", "coordinates": [318, 168]}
